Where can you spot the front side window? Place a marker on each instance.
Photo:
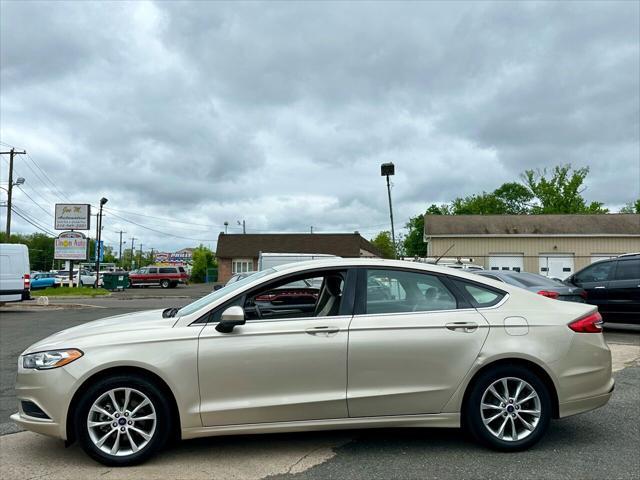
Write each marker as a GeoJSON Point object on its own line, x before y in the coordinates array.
{"type": "Point", "coordinates": [598, 272]}
{"type": "Point", "coordinates": [628, 270]}
{"type": "Point", "coordinates": [317, 294]}
{"type": "Point", "coordinates": [242, 265]}
{"type": "Point", "coordinates": [398, 291]}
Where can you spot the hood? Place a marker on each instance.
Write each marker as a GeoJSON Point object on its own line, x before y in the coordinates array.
{"type": "Point", "coordinates": [129, 322]}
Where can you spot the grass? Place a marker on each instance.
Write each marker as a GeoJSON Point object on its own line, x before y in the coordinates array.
{"type": "Point", "coordinates": [69, 291]}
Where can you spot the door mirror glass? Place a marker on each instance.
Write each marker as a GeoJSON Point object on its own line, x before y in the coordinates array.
{"type": "Point", "coordinates": [231, 317]}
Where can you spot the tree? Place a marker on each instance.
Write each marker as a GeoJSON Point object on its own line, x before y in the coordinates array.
{"type": "Point", "coordinates": [515, 197]}
{"type": "Point", "coordinates": [561, 193]}
{"type": "Point", "coordinates": [631, 207]}
{"type": "Point", "coordinates": [414, 244]}
{"type": "Point", "coordinates": [202, 259]}
{"type": "Point", "coordinates": [384, 243]}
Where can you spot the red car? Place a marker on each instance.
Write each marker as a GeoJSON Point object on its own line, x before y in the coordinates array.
{"type": "Point", "coordinates": [164, 276]}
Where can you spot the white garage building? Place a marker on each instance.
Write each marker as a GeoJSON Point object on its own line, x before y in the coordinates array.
{"type": "Point", "coordinates": [552, 245]}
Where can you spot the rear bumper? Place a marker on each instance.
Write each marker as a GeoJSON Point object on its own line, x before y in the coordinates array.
{"type": "Point", "coordinates": [585, 404]}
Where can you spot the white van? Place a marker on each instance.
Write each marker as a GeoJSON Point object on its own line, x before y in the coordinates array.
{"type": "Point", "coordinates": [15, 276]}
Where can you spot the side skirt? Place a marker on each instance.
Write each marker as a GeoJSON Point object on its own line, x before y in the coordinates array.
{"type": "Point", "coordinates": [441, 420]}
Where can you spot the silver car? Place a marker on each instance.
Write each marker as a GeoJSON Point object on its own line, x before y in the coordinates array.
{"type": "Point", "coordinates": [383, 344]}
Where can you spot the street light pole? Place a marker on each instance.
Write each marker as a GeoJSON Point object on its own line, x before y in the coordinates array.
{"type": "Point", "coordinates": [386, 170]}
{"type": "Point", "coordinates": [98, 249]}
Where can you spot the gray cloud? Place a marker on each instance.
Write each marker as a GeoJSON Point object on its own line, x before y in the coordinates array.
{"type": "Point", "coordinates": [280, 113]}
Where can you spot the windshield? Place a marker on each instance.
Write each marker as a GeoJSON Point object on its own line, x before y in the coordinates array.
{"type": "Point", "coordinates": [217, 294]}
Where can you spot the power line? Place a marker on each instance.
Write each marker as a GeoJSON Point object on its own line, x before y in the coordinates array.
{"type": "Point", "coordinates": [165, 219]}
{"type": "Point", "coordinates": [161, 232]}
{"type": "Point", "coordinates": [34, 202]}
{"type": "Point", "coordinates": [47, 177]}
{"type": "Point", "coordinates": [25, 216]}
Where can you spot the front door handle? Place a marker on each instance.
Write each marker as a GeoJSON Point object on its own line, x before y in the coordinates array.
{"type": "Point", "coordinates": [467, 327]}
{"type": "Point", "coordinates": [599, 287]}
{"type": "Point", "coordinates": [326, 331]}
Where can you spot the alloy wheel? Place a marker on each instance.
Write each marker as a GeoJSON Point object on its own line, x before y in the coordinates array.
{"type": "Point", "coordinates": [510, 409]}
{"type": "Point", "coordinates": [122, 421]}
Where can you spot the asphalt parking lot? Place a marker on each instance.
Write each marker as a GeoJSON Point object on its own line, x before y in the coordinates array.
{"type": "Point", "coordinates": [599, 444]}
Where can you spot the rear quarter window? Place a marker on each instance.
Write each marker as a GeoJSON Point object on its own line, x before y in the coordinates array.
{"type": "Point", "coordinates": [481, 296]}
{"type": "Point", "coordinates": [628, 270]}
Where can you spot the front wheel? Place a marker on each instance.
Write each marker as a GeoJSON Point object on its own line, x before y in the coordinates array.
{"type": "Point", "coordinates": [508, 409]}
{"type": "Point", "coordinates": [122, 420]}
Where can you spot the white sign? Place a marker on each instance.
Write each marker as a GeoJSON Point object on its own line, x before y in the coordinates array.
{"type": "Point", "coordinates": [73, 216]}
{"type": "Point", "coordinates": [70, 246]}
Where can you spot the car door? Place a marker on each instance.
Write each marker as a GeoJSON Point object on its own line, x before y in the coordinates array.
{"type": "Point", "coordinates": [624, 290]}
{"type": "Point", "coordinates": [594, 279]}
{"type": "Point", "coordinates": [410, 349]}
{"type": "Point", "coordinates": [287, 364]}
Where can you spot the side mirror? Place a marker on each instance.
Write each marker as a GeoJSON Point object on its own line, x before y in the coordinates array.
{"type": "Point", "coordinates": [230, 318]}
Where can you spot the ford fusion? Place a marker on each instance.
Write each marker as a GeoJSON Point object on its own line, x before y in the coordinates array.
{"type": "Point", "coordinates": [381, 344]}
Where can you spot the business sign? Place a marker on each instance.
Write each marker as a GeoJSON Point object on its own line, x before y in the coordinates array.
{"type": "Point", "coordinates": [101, 250]}
{"type": "Point", "coordinates": [181, 256]}
{"type": "Point", "coordinates": [73, 216]}
{"type": "Point", "coordinates": [70, 246]}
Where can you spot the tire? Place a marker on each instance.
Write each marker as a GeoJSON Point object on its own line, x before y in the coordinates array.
{"type": "Point", "coordinates": [165, 283]}
{"type": "Point", "coordinates": [529, 427]}
{"type": "Point", "coordinates": [126, 434]}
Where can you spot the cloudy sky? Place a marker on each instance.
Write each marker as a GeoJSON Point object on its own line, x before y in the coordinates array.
{"type": "Point", "coordinates": [187, 115]}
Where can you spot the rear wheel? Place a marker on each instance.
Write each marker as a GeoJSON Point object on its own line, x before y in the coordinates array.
{"type": "Point", "coordinates": [122, 420]}
{"type": "Point", "coordinates": [509, 408]}
{"type": "Point", "coordinates": [164, 283]}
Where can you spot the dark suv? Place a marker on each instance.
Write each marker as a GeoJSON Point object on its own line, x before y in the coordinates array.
{"type": "Point", "coordinates": [614, 286]}
{"type": "Point", "coordinates": [164, 276]}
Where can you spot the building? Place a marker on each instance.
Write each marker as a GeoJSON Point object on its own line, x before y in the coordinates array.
{"type": "Point", "coordinates": [552, 245]}
{"type": "Point", "coordinates": [239, 252]}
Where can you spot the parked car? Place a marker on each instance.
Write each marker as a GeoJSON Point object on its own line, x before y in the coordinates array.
{"type": "Point", "coordinates": [545, 286]}
{"type": "Point", "coordinates": [166, 277]}
{"type": "Point", "coordinates": [613, 286]}
{"type": "Point", "coordinates": [449, 348]}
{"type": "Point", "coordinates": [44, 280]}
{"type": "Point", "coordinates": [15, 274]}
{"type": "Point", "coordinates": [87, 279]}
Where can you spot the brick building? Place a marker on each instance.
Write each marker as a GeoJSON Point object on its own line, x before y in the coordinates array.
{"type": "Point", "coordinates": [239, 252]}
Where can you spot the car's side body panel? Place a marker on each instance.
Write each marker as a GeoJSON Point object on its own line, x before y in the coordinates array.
{"type": "Point", "coordinates": [274, 371]}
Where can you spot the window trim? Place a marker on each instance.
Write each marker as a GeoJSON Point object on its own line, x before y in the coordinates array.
{"type": "Point", "coordinates": [241, 260]}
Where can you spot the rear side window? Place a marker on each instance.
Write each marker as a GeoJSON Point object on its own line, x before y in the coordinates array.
{"type": "Point", "coordinates": [481, 296]}
{"type": "Point", "coordinates": [153, 270]}
{"type": "Point", "coordinates": [398, 291]}
{"type": "Point", "coordinates": [167, 270]}
{"type": "Point", "coordinates": [628, 270]}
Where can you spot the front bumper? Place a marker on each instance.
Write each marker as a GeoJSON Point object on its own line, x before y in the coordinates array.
{"type": "Point", "coordinates": [45, 427]}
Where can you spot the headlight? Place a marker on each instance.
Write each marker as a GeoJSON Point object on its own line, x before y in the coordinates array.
{"type": "Point", "coordinates": [50, 359]}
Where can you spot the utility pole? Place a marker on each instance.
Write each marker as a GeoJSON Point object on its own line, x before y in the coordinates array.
{"type": "Point", "coordinates": [120, 254]}
{"type": "Point", "coordinates": [388, 169]}
{"type": "Point", "coordinates": [133, 239]}
{"type": "Point", "coordinates": [140, 256]}
{"type": "Point", "coordinates": [226, 225]}
{"type": "Point", "coordinates": [98, 246]}
{"type": "Point", "coordinates": [311, 228]}
{"type": "Point", "coordinates": [11, 154]}
{"type": "Point", "coordinates": [244, 226]}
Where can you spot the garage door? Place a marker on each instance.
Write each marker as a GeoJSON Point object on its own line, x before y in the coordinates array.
{"type": "Point", "coordinates": [506, 261]}
{"type": "Point", "coordinates": [556, 265]}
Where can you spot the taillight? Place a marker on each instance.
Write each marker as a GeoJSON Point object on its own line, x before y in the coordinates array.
{"type": "Point", "coordinates": [27, 281]}
{"type": "Point", "coordinates": [590, 324]}
{"type": "Point", "coordinates": [548, 294]}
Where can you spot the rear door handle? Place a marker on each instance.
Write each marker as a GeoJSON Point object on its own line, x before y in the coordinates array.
{"type": "Point", "coordinates": [326, 331]}
{"type": "Point", "coordinates": [467, 327]}
{"type": "Point", "coordinates": [599, 287]}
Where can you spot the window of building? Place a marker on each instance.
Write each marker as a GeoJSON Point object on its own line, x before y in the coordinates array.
{"type": "Point", "coordinates": [241, 265]}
